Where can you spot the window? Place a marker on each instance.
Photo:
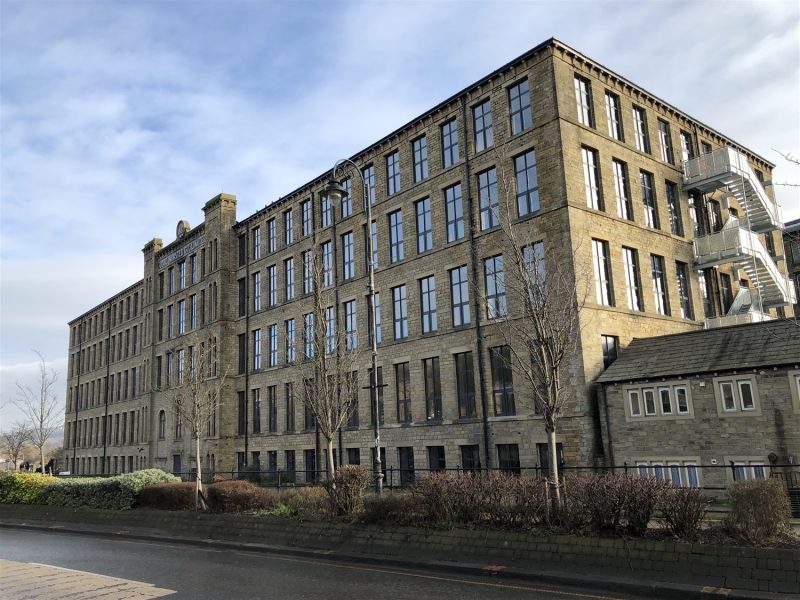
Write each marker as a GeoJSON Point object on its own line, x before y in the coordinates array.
{"type": "Point", "coordinates": [433, 389]}
{"type": "Point", "coordinates": [192, 318]}
{"type": "Point", "coordinates": [171, 286]}
{"type": "Point", "coordinates": [308, 334]}
{"type": "Point", "coordinates": [369, 178]}
{"type": "Point", "coordinates": [436, 460]}
{"type": "Point", "coordinates": [675, 221]}
{"type": "Point", "coordinates": [649, 200]}
{"type": "Point", "coordinates": [455, 213]}
{"type": "Point", "coordinates": [181, 322]}
{"type": "Point", "coordinates": [508, 458]}
{"type": "Point", "coordinates": [495, 287]}
{"type": "Point", "coordinates": [256, 292]}
{"type": "Point", "coordinates": [470, 457]}
{"type": "Point", "coordinates": [602, 273]}
{"type": "Point", "coordinates": [725, 291]}
{"type": "Point", "coordinates": [614, 117]}
{"type": "Point", "coordinates": [272, 283]}
{"type": "Point", "coordinates": [396, 235]}
{"type": "Point", "coordinates": [288, 277]}
{"type": "Point", "coordinates": [162, 425]}
{"type": "Point", "coordinates": [490, 207]}
{"type": "Point", "coordinates": [256, 243]}
{"type": "Point", "coordinates": [610, 349]}
{"type": "Point", "coordinates": [424, 227]}
{"type": "Point", "coordinates": [714, 216]}
{"type": "Point", "coordinates": [308, 217]}
{"type": "Point", "coordinates": [380, 397]}
{"type": "Point", "coordinates": [290, 341]}
{"type": "Point", "coordinates": [659, 284]}
{"type": "Point", "coordinates": [377, 317]}
{"type": "Point", "coordinates": [624, 207]}
{"type": "Point", "coordinates": [288, 227]}
{"type": "Point", "coordinates": [271, 234]}
{"type": "Point", "coordinates": [330, 329]}
{"type": "Point", "coordinates": [465, 386]}
{"type": "Point", "coordinates": [684, 292]}
{"type": "Point", "coordinates": [327, 264]}
{"type": "Point", "coordinates": [449, 143]}
{"type": "Point", "coordinates": [583, 96]}
{"type": "Point", "coordinates": [350, 325]}
{"type": "Point", "coordinates": [633, 282]}
{"type": "Point", "coordinates": [327, 213]}
{"type": "Point", "coordinates": [502, 382]}
{"type": "Point", "coordinates": [591, 178]}
{"type": "Point", "coordinates": [687, 147]}
{"type": "Point", "coordinates": [256, 410]}
{"type": "Point", "coordinates": [427, 291]}
{"type": "Point", "coordinates": [348, 256]}
{"type": "Point", "coordinates": [257, 349]}
{"type": "Point", "coordinates": [160, 289]}
{"type": "Point", "coordinates": [527, 184]}
{"type": "Point", "coordinates": [192, 262]}
{"type": "Point", "coordinates": [640, 130]}
{"type": "Point", "coordinates": [705, 147]}
{"type": "Point", "coordinates": [242, 339]}
{"type": "Point", "coordinates": [519, 102]}
{"type": "Point", "coordinates": [374, 244]}
{"type": "Point", "coordinates": [182, 279]}
{"type": "Point", "coordinates": [736, 395]}
{"type": "Point", "coordinates": [420, 148]}
{"type": "Point", "coordinates": [400, 312]}
{"type": "Point", "coordinates": [347, 200]}
{"type": "Point", "coordinates": [704, 278]}
{"type": "Point", "coordinates": [309, 419]}
{"type": "Point", "coordinates": [669, 400]}
{"type": "Point", "coordinates": [484, 133]}
{"type": "Point", "coordinates": [403, 389]}
{"type": "Point", "coordinates": [666, 141]}
{"type": "Point", "coordinates": [242, 414]}
{"type": "Point", "coordinates": [393, 173]}
{"type": "Point", "coordinates": [406, 459]}
{"type": "Point", "coordinates": [289, 391]}
{"type": "Point", "coordinates": [242, 250]}
{"type": "Point", "coordinates": [273, 345]}
{"type": "Point", "coordinates": [308, 279]}
{"type": "Point", "coordinates": [291, 463]}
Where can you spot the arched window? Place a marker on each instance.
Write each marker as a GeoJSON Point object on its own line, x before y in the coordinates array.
{"type": "Point", "coordinates": [162, 425]}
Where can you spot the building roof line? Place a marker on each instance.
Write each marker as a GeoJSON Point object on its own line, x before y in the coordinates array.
{"type": "Point", "coordinates": [107, 301]}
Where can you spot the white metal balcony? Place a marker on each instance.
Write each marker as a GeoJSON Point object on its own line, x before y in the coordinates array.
{"type": "Point", "coordinates": [746, 308]}
{"type": "Point", "coordinates": [726, 167]}
{"type": "Point", "coordinates": [735, 244]}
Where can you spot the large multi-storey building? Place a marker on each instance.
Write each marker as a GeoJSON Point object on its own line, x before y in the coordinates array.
{"type": "Point", "coordinates": [671, 214]}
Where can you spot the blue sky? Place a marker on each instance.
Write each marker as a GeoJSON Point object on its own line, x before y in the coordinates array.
{"type": "Point", "coordinates": [117, 119]}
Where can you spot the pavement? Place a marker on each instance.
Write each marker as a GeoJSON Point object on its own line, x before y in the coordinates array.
{"type": "Point", "coordinates": [39, 564]}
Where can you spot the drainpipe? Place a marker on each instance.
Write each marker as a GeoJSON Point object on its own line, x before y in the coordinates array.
{"type": "Point", "coordinates": [247, 343]}
{"type": "Point", "coordinates": [77, 399]}
{"type": "Point", "coordinates": [108, 378]}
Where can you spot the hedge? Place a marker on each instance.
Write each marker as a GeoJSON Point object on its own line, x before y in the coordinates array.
{"type": "Point", "coordinates": [24, 488]}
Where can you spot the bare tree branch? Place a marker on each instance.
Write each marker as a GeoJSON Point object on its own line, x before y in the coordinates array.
{"type": "Point", "coordinates": [15, 439]}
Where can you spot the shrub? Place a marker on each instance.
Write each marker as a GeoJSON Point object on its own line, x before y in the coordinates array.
{"type": "Point", "coordinates": [117, 493]}
{"type": "Point", "coordinates": [394, 509]}
{"type": "Point", "coordinates": [308, 503]}
{"type": "Point", "coordinates": [605, 500]}
{"type": "Point", "coordinates": [640, 498]}
{"type": "Point", "coordinates": [168, 496]}
{"type": "Point", "coordinates": [573, 514]}
{"type": "Point", "coordinates": [759, 509]}
{"type": "Point", "coordinates": [346, 489]}
{"type": "Point", "coordinates": [682, 510]}
{"type": "Point", "coordinates": [24, 488]}
{"type": "Point", "coordinates": [239, 496]}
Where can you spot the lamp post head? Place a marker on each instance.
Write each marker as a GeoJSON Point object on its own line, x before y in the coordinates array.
{"type": "Point", "coordinates": [334, 191]}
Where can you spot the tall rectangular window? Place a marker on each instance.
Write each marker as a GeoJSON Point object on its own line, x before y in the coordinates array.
{"type": "Point", "coordinates": [192, 319]}
{"type": "Point", "coordinates": [242, 251]}
{"type": "Point", "coordinates": [687, 147]}
{"type": "Point", "coordinates": [273, 345]}
{"type": "Point", "coordinates": [288, 227]}
{"type": "Point", "coordinates": [308, 334]}
{"type": "Point", "coordinates": [256, 243]}
{"type": "Point", "coordinates": [465, 386]}
{"type": "Point", "coordinates": [400, 312]}
{"type": "Point", "coordinates": [290, 341]}
{"type": "Point", "coordinates": [649, 200]}
{"type": "Point", "coordinates": [519, 103]}
{"type": "Point", "coordinates": [725, 291]}
{"type": "Point", "coordinates": [424, 226]}
{"type": "Point", "coordinates": [350, 325]}
{"type": "Point", "coordinates": [377, 317]}
{"type": "Point", "coordinates": [272, 411]}
{"type": "Point", "coordinates": [490, 206]}
{"type": "Point", "coordinates": [242, 420]}
{"type": "Point", "coordinates": [602, 273]}
{"type": "Point", "coordinates": [369, 178]}
{"type": "Point", "coordinates": [705, 148]}
{"type": "Point", "coordinates": [583, 97]}
{"type": "Point", "coordinates": [288, 277]}
{"type": "Point", "coordinates": [455, 213]}
{"type": "Point", "coordinates": [393, 173]}
{"type": "Point", "coordinates": [308, 217]}
{"type": "Point", "coordinates": [420, 148]}
{"type": "Point", "coordinates": [675, 221]}
{"type": "Point", "coordinates": [502, 381]}
{"type": "Point", "coordinates": [396, 235]}
{"type": "Point", "coordinates": [374, 240]}
{"type": "Point", "coordinates": [684, 291]}
{"type": "Point", "coordinates": [450, 143]}
{"type": "Point", "coordinates": [330, 329]}
{"type": "Point", "coordinates": [614, 116]}
{"type": "Point", "coordinates": [256, 292]}
{"type": "Point", "coordinates": [327, 264]}
{"type": "Point", "coordinates": [272, 286]}
{"type": "Point", "coordinates": [427, 289]}
{"type": "Point", "coordinates": [527, 183]}
{"type": "Point", "coordinates": [482, 121]}
{"type": "Point", "coordinates": [659, 284]}
{"type": "Point", "coordinates": [623, 190]}
{"type": "Point", "coordinates": [610, 349]}
{"type": "Point", "coordinates": [242, 339]}
{"type": "Point", "coordinates": [704, 278]}
{"type": "Point", "coordinates": [666, 141]}
{"type": "Point", "coordinates": [289, 391]}
{"type": "Point", "coordinates": [433, 389]}
{"type": "Point", "coordinates": [182, 273]}
{"type": "Point", "coordinates": [308, 278]}
{"type": "Point", "coordinates": [326, 211]}
{"type": "Point", "coordinates": [633, 283]}
{"type": "Point", "coordinates": [256, 410]}
{"type": "Point", "coordinates": [257, 349]}
{"type": "Point", "coordinates": [508, 459]}
{"type": "Point", "coordinates": [640, 130]}
{"type": "Point", "coordinates": [271, 235]}
{"type": "Point", "coordinates": [591, 178]}
{"type": "Point", "coordinates": [181, 320]}
{"type": "Point", "coordinates": [193, 263]}
{"type": "Point", "coordinates": [495, 287]}
{"type": "Point", "coordinates": [171, 287]}
{"type": "Point", "coordinates": [402, 379]}
{"type": "Point", "coordinates": [242, 297]}
{"type": "Point", "coordinates": [348, 256]}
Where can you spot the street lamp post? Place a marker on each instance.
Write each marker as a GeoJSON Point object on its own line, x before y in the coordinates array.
{"type": "Point", "coordinates": [335, 192]}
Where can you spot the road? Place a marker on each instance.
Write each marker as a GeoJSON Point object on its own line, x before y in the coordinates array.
{"type": "Point", "coordinates": [150, 570]}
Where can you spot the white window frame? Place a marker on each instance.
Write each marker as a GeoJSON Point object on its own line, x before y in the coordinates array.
{"type": "Point", "coordinates": [734, 383]}
{"type": "Point", "coordinates": [647, 412]}
{"type": "Point", "coordinates": [643, 401]}
{"type": "Point", "coordinates": [668, 390]}
{"type": "Point", "coordinates": [631, 394]}
{"type": "Point", "coordinates": [677, 402]}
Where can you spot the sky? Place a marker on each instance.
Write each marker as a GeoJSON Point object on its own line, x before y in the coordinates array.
{"type": "Point", "coordinates": [118, 119]}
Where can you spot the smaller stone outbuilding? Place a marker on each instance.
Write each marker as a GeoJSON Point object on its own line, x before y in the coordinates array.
{"type": "Point", "coordinates": [703, 407]}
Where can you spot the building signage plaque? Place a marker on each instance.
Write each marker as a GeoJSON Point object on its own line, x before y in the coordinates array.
{"type": "Point", "coordinates": [181, 252]}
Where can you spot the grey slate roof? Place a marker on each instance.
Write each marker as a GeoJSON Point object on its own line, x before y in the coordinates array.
{"type": "Point", "coordinates": [773, 343]}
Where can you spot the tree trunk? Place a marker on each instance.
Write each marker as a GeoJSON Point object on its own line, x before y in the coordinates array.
{"type": "Point", "coordinates": [331, 468]}
{"type": "Point", "coordinates": [198, 480]}
{"type": "Point", "coordinates": [551, 451]}
{"type": "Point", "coordinates": [41, 458]}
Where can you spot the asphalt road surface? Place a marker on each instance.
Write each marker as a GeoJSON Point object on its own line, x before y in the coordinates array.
{"type": "Point", "coordinates": [37, 565]}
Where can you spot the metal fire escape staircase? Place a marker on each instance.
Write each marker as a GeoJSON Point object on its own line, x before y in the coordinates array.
{"type": "Point", "coordinates": [737, 243]}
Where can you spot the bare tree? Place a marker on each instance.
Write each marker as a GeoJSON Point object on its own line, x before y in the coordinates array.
{"type": "Point", "coordinates": [792, 160]}
{"type": "Point", "coordinates": [541, 323]}
{"type": "Point", "coordinates": [40, 406]}
{"type": "Point", "coordinates": [14, 441]}
{"type": "Point", "coordinates": [195, 392]}
{"type": "Point", "coordinates": [326, 355]}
